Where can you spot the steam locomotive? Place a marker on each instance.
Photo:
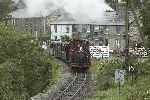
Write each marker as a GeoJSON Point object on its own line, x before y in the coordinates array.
{"type": "Point", "coordinates": [75, 53]}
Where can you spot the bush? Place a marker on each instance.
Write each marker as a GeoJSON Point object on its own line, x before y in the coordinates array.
{"type": "Point", "coordinates": [25, 69]}
{"type": "Point", "coordinates": [141, 86]}
{"type": "Point", "coordinates": [138, 90]}
{"type": "Point", "coordinates": [105, 73]}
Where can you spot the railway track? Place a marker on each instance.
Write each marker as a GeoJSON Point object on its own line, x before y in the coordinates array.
{"type": "Point", "coordinates": [72, 90]}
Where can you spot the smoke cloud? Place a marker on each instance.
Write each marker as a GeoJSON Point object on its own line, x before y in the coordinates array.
{"type": "Point", "coordinates": [80, 9]}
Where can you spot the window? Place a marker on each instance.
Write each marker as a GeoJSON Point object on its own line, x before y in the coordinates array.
{"type": "Point", "coordinates": [118, 29]}
{"type": "Point", "coordinates": [84, 29]}
{"type": "Point", "coordinates": [13, 21]}
{"type": "Point", "coordinates": [41, 31]}
{"type": "Point", "coordinates": [30, 24]}
{"type": "Point", "coordinates": [106, 42]}
{"type": "Point", "coordinates": [55, 28]}
{"type": "Point", "coordinates": [117, 43]}
{"type": "Point", "coordinates": [67, 29]}
{"type": "Point", "coordinates": [26, 25]}
{"type": "Point", "coordinates": [35, 28]}
{"type": "Point", "coordinates": [74, 28]}
{"type": "Point", "coordinates": [91, 28]}
{"type": "Point", "coordinates": [31, 31]}
{"type": "Point", "coordinates": [26, 30]}
{"type": "Point", "coordinates": [55, 38]}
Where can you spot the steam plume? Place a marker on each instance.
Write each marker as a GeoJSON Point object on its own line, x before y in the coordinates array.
{"type": "Point", "coordinates": [91, 9]}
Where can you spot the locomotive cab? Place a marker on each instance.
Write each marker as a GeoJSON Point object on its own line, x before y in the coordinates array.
{"type": "Point", "coordinates": [79, 56]}
{"type": "Point", "coordinates": [75, 53]}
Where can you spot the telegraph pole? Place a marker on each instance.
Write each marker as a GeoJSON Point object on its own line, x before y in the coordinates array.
{"type": "Point", "coordinates": [126, 34]}
{"type": "Point", "coordinates": [44, 24]}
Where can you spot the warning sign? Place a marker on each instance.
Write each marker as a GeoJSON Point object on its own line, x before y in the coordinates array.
{"type": "Point", "coordinates": [119, 76]}
{"type": "Point", "coordinates": [99, 51]}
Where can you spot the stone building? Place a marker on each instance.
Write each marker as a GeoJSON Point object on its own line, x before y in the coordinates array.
{"type": "Point", "coordinates": [34, 25]}
{"type": "Point", "coordinates": [107, 31]}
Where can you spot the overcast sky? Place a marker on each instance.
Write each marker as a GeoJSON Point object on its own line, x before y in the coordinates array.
{"type": "Point", "coordinates": [78, 8]}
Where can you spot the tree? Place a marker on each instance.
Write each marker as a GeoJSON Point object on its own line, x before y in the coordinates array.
{"type": "Point", "coordinates": [146, 22]}
{"type": "Point", "coordinates": [24, 67]}
{"type": "Point", "coordinates": [140, 10]}
{"type": "Point", "coordinates": [5, 9]}
{"type": "Point", "coordinates": [142, 19]}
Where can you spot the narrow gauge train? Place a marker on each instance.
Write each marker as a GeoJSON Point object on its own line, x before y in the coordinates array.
{"type": "Point", "coordinates": [75, 53]}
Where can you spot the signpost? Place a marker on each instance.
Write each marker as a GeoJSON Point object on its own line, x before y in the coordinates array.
{"type": "Point", "coordinates": [44, 46]}
{"type": "Point", "coordinates": [131, 73]}
{"type": "Point", "coordinates": [119, 78]}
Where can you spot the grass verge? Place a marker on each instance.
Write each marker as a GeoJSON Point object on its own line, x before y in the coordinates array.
{"type": "Point", "coordinates": [136, 87]}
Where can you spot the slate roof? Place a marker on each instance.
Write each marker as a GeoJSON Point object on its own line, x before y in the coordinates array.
{"type": "Point", "coordinates": [110, 18]}
{"type": "Point", "coordinates": [63, 17]}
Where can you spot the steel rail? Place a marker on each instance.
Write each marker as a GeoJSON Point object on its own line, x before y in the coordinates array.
{"type": "Point", "coordinates": [83, 84]}
{"type": "Point", "coordinates": [60, 96]}
{"type": "Point", "coordinates": [57, 98]}
{"type": "Point", "coordinates": [73, 83]}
